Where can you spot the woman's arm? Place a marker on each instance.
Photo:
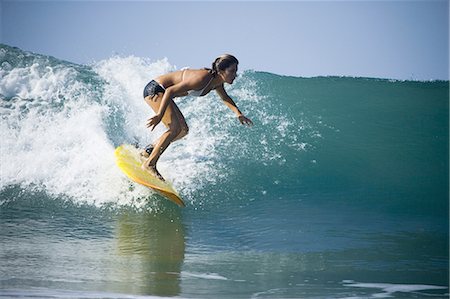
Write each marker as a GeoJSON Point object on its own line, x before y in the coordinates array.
{"type": "Point", "coordinates": [232, 105]}
{"type": "Point", "coordinates": [156, 119]}
{"type": "Point", "coordinates": [180, 88]}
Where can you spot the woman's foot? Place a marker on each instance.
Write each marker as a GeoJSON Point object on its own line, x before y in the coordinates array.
{"type": "Point", "coordinates": [146, 152]}
{"type": "Point", "coordinates": [153, 171]}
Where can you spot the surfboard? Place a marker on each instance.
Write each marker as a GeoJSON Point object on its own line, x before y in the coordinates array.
{"type": "Point", "coordinates": [129, 160]}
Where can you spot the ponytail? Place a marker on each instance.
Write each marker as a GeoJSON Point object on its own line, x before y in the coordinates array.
{"type": "Point", "coordinates": [214, 67]}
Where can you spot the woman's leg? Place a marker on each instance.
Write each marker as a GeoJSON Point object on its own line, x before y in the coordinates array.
{"type": "Point", "coordinates": [184, 129]}
{"type": "Point", "coordinates": [146, 152]}
{"type": "Point", "coordinates": [174, 120]}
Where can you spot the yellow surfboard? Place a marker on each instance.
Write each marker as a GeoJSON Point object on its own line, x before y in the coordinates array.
{"type": "Point", "coordinates": [129, 161]}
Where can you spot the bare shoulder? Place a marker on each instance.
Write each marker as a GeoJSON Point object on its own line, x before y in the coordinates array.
{"type": "Point", "coordinates": [170, 79]}
{"type": "Point", "coordinates": [197, 75]}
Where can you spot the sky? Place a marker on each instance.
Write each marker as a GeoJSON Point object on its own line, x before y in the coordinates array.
{"type": "Point", "coordinates": [395, 39]}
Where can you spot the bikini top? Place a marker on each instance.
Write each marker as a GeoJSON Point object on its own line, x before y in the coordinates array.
{"type": "Point", "coordinates": [197, 93]}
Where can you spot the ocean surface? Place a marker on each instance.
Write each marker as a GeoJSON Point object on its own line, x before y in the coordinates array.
{"type": "Point", "coordinates": [339, 190]}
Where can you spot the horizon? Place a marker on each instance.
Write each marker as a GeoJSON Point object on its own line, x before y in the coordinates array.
{"type": "Point", "coordinates": [399, 40]}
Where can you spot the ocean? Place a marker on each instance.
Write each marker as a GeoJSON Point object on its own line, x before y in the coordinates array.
{"type": "Point", "coordinates": [339, 190]}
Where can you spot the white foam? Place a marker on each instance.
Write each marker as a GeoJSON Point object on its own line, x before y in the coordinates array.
{"type": "Point", "coordinates": [212, 276]}
{"type": "Point", "coordinates": [53, 136]}
{"type": "Point", "coordinates": [63, 151]}
{"type": "Point", "coordinates": [35, 82]}
{"type": "Point", "coordinates": [387, 289]}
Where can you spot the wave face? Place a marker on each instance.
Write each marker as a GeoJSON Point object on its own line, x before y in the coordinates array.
{"type": "Point", "coordinates": [353, 139]}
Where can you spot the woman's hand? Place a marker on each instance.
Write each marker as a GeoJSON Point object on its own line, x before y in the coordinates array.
{"type": "Point", "coordinates": [245, 121]}
{"type": "Point", "coordinates": [154, 121]}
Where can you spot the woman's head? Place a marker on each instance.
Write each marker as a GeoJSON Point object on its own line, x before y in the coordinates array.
{"type": "Point", "coordinates": [226, 66]}
{"type": "Point", "coordinates": [223, 62]}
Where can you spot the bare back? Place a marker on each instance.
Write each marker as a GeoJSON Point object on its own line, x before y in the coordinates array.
{"type": "Point", "coordinates": [194, 79]}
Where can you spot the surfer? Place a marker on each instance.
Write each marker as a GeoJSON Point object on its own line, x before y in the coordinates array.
{"type": "Point", "coordinates": [160, 92]}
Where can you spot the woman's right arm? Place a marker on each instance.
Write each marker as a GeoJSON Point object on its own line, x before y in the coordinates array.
{"type": "Point", "coordinates": [156, 119]}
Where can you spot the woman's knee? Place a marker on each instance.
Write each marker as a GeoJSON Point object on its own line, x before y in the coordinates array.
{"type": "Point", "coordinates": [174, 131]}
{"type": "Point", "coordinates": [179, 132]}
{"type": "Point", "coordinates": [184, 130]}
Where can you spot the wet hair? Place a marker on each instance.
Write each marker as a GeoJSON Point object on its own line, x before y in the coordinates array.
{"type": "Point", "coordinates": [223, 62]}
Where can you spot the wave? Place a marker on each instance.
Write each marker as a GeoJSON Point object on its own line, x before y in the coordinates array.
{"type": "Point", "coordinates": [326, 135]}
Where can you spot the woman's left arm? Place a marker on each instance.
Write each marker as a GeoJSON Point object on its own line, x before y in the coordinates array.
{"type": "Point", "coordinates": [232, 105]}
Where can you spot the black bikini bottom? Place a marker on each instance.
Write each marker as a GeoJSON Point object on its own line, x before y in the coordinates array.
{"type": "Point", "coordinates": [153, 88]}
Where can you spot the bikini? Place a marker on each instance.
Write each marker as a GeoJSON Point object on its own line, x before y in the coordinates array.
{"type": "Point", "coordinates": [154, 87]}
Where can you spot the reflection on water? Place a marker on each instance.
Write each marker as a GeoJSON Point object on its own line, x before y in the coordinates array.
{"type": "Point", "coordinates": [151, 247]}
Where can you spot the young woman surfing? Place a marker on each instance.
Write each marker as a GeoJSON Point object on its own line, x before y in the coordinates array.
{"type": "Point", "coordinates": [160, 92]}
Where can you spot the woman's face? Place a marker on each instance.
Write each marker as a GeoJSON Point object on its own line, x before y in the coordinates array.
{"type": "Point", "coordinates": [229, 74]}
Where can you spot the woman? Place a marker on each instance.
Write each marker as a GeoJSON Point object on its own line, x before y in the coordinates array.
{"type": "Point", "coordinates": [159, 94]}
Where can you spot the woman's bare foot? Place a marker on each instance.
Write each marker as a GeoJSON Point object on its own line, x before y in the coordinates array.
{"type": "Point", "coordinates": [153, 171]}
{"type": "Point", "coordinates": [145, 153]}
